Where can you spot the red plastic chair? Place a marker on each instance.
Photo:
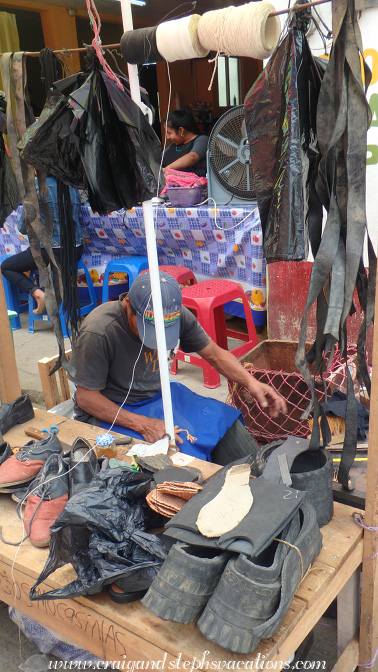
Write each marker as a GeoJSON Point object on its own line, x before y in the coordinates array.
{"type": "Point", "coordinates": [207, 299]}
{"type": "Point", "coordinates": [182, 274]}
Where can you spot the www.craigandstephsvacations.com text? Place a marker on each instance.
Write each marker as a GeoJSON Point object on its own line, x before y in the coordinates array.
{"type": "Point", "coordinates": [193, 665]}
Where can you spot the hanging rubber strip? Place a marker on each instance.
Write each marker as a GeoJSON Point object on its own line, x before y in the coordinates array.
{"type": "Point", "coordinates": [343, 118]}
{"type": "Point", "coordinates": [14, 76]}
{"type": "Point", "coordinates": [11, 129]}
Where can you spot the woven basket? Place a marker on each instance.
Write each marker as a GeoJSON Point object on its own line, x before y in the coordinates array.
{"type": "Point", "coordinates": [272, 362]}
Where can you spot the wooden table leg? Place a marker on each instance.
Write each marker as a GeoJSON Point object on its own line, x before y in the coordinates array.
{"type": "Point", "coordinates": [348, 610]}
{"type": "Point", "coordinates": [9, 383]}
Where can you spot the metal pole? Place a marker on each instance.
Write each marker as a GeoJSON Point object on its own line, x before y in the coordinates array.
{"type": "Point", "coordinates": [152, 256]}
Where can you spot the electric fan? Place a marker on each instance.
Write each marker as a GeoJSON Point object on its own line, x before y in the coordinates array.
{"type": "Point", "coordinates": [229, 170]}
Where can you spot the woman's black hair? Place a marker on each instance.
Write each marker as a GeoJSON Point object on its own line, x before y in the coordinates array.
{"type": "Point", "coordinates": [183, 118]}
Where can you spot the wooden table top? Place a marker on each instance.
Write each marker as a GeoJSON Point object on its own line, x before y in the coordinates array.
{"type": "Point", "coordinates": [112, 631]}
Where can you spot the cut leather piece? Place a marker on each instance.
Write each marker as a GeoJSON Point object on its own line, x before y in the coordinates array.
{"type": "Point", "coordinates": [230, 506]}
{"type": "Point", "coordinates": [185, 583]}
{"type": "Point", "coordinates": [252, 597]}
{"type": "Point", "coordinates": [183, 490]}
{"type": "Point", "coordinates": [169, 498]}
{"type": "Point", "coordinates": [271, 511]}
{"type": "Point", "coordinates": [292, 447]}
{"type": "Point", "coordinates": [178, 474]}
{"type": "Point", "coordinates": [154, 463]}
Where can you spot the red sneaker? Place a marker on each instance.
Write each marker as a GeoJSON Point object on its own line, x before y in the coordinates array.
{"type": "Point", "coordinates": [46, 500]}
{"type": "Point", "coordinates": [22, 467]}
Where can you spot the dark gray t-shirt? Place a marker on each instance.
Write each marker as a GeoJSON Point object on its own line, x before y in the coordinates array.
{"type": "Point", "coordinates": [197, 145]}
{"type": "Point", "coordinates": [106, 352]}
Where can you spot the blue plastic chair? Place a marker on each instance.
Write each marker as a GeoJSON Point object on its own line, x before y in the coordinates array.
{"type": "Point", "coordinates": [130, 265]}
{"type": "Point", "coordinates": [86, 306]}
{"type": "Point", "coordinates": [16, 300]}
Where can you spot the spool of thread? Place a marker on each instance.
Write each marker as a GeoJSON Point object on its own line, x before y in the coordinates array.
{"type": "Point", "coordinates": [241, 31]}
{"type": "Point", "coordinates": [139, 46]}
{"type": "Point", "coordinates": [177, 40]}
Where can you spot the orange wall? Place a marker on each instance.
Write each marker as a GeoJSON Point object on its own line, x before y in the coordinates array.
{"type": "Point", "coordinates": [59, 28]}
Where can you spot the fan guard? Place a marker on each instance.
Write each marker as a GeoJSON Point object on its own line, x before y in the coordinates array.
{"type": "Point", "coordinates": [229, 155]}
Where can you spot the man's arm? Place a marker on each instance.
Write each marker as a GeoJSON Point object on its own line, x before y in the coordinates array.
{"type": "Point", "coordinates": [96, 404]}
{"type": "Point", "coordinates": [226, 364]}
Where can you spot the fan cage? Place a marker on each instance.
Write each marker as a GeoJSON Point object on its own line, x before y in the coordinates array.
{"type": "Point", "coordinates": [229, 155]}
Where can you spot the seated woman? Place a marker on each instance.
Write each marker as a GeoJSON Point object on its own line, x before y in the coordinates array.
{"type": "Point", "coordinates": [13, 268]}
{"type": "Point", "coordinates": [187, 151]}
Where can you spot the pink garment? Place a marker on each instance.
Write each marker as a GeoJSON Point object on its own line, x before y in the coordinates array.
{"type": "Point", "coordinates": [179, 178]}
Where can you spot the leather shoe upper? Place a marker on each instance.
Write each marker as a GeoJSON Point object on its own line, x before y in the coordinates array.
{"type": "Point", "coordinates": [83, 464]}
{"type": "Point", "coordinates": [20, 410]}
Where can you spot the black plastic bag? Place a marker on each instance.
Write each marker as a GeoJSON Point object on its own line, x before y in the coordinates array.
{"type": "Point", "coordinates": [280, 113]}
{"type": "Point", "coordinates": [101, 532]}
{"type": "Point", "coordinates": [98, 138]}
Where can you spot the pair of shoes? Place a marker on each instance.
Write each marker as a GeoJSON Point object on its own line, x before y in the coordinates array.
{"type": "Point", "coordinates": [19, 411]}
{"type": "Point", "coordinates": [246, 598]}
{"type": "Point", "coordinates": [48, 495]}
{"type": "Point", "coordinates": [82, 465]}
{"type": "Point", "coordinates": [253, 595]}
{"type": "Point", "coordinates": [41, 307]}
{"type": "Point", "coordinates": [25, 465]}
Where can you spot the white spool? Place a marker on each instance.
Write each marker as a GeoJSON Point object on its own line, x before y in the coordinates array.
{"type": "Point", "coordinates": [241, 31]}
{"type": "Point", "coordinates": [177, 40]}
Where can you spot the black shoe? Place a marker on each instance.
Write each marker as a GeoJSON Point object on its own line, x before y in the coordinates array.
{"type": "Point", "coordinates": [19, 411]}
{"type": "Point", "coordinates": [83, 464]}
{"type": "Point", "coordinates": [5, 451]}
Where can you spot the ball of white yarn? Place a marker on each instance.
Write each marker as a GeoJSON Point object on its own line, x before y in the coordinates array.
{"type": "Point", "coordinates": [241, 31]}
{"type": "Point", "coordinates": [177, 40]}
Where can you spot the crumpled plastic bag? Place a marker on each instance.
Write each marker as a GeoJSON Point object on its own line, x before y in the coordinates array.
{"type": "Point", "coordinates": [280, 114]}
{"type": "Point", "coordinates": [101, 532]}
{"type": "Point", "coordinates": [97, 138]}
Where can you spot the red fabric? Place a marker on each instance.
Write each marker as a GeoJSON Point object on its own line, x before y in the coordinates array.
{"type": "Point", "coordinates": [179, 178]}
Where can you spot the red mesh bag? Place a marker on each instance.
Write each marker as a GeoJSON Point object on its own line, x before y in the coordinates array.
{"type": "Point", "coordinates": [272, 362]}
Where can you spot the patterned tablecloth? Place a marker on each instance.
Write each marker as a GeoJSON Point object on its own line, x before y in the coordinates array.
{"type": "Point", "coordinates": [222, 244]}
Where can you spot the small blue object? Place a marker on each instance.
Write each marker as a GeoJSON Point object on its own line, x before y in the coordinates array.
{"type": "Point", "coordinates": [104, 439]}
{"type": "Point", "coordinates": [53, 430]}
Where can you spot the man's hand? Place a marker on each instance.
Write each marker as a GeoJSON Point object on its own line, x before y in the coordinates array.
{"type": "Point", "coordinates": [267, 398]}
{"type": "Point", "coordinates": [152, 430]}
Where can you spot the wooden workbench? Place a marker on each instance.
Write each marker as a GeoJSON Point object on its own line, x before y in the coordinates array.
{"type": "Point", "coordinates": [133, 633]}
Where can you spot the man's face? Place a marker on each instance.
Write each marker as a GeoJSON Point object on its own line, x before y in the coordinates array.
{"type": "Point", "coordinates": [131, 317]}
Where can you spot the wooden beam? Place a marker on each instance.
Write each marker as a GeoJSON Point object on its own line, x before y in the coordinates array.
{"type": "Point", "coordinates": [348, 660]}
{"type": "Point", "coordinates": [369, 595]}
{"type": "Point", "coordinates": [9, 382]}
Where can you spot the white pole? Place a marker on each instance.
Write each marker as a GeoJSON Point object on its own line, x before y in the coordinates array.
{"type": "Point", "coordinates": [152, 256]}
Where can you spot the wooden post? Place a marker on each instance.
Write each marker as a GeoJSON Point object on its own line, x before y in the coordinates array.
{"type": "Point", "coordinates": [9, 382]}
{"type": "Point", "coordinates": [369, 595]}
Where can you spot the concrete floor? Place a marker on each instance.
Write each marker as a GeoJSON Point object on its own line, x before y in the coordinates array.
{"type": "Point", "coordinates": [14, 646]}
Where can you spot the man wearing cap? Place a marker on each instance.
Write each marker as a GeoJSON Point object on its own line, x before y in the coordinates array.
{"type": "Point", "coordinates": [117, 375]}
